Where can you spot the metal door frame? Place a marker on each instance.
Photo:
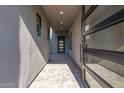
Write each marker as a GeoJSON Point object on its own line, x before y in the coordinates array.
{"type": "Point", "coordinates": [58, 43]}
{"type": "Point", "coordinates": [115, 56]}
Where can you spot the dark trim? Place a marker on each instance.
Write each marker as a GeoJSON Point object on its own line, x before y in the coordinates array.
{"type": "Point", "coordinates": [114, 56]}
{"type": "Point", "coordinates": [82, 21]}
{"type": "Point", "coordinates": [100, 80]}
{"type": "Point", "coordinates": [82, 39]}
{"type": "Point", "coordinates": [90, 10]}
{"type": "Point", "coordinates": [38, 24]}
{"type": "Point", "coordinates": [110, 21]}
{"type": "Point", "coordinates": [58, 38]}
{"type": "Point", "coordinates": [83, 59]}
{"type": "Point", "coordinates": [88, 86]}
{"type": "Point", "coordinates": [80, 53]}
{"type": "Point", "coordinates": [85, 83]}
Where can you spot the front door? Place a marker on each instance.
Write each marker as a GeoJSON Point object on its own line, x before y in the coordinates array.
{"type": "Point", "coordinates": [61, 44]}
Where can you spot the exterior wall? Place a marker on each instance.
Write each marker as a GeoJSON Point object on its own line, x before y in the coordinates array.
{"type": "Point", "coordinates": [76, 40]}
{"type": "Point", "coordinates": [9, 47]}
{"type": "Point", "coordinates": [22, 53]}
{"type": "Point", "coordinates": [54, 41]}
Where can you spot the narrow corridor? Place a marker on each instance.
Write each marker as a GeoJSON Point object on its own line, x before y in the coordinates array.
{"type": "Point", "coordinates": [60, 72]}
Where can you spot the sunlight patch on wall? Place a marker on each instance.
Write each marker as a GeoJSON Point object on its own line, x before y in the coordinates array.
{"type": "Point", "coordinates": [31, 59]}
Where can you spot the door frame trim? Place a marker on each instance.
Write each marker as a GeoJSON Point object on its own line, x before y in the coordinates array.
{"type": "Point", "coordinates": [58, 44]}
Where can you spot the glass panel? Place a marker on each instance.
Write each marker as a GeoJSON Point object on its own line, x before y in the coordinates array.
{"type": "Point", "coordinates": [111, 38]}
{"type": "Point", "coordinates": [60, 50]}
{"type": "Point", "coordinates": [91, 81]}
{"type": "Point", "coordinates": [61, 42]}
{"type": "Point", "coordinates": [107, 39]}
{"type": "Point", "coordinates": [101, 13]}
{"type": "Point", "coordinates": [38, 24]}
{"type": "Point", "coordinates": [110, 71]}
{"type": "Point", "coordinates": [61, 47]}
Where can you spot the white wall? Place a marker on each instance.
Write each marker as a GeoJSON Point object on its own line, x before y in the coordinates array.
{"type": "Point", "coordinates": [76, 40]}
{"type": "Point", "coordinates": [22, 53]}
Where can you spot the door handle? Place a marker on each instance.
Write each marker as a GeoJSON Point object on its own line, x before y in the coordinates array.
{"type": "Point", "coordinates": [80, 52]}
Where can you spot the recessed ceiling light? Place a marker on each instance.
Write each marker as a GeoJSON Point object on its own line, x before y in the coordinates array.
{"type": "Point", "coordinates": [61, 12]}
{"type": "Point", "coordinates": [61, 27]}
{"type": "Point", "coordinates": [61, 22]}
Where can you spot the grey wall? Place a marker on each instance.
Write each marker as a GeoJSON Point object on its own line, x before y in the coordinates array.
{"type": "Point", "coordinates": [54, 41]}
{"type": "Point", "coordinates": [9, 46]}
{"type": "Point", "coordinates": [22, 53]}
{"type": "Point", "coordinates": [76, 40]}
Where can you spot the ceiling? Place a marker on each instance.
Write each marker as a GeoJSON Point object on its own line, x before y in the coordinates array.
{"type": "Point", "coordinates": [61, 17]}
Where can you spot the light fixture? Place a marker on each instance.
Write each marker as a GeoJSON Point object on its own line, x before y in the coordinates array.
{"type": "Point", "coordinates": [61, 27]}
{"type": "Point", "coordinates": [61, 22]}
{"type": "Point", "coordinates": [61, 12]}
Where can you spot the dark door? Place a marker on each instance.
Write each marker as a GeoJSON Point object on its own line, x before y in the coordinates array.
{"type": "Point", "coordinates": [61, 44]}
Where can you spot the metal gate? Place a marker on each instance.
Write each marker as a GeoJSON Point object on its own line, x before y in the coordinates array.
{"type": "Point", "coordinates": [98, 43]}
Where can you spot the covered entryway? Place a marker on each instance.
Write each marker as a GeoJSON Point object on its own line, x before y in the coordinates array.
{"type": "Point", "coordinates": [85, 47]}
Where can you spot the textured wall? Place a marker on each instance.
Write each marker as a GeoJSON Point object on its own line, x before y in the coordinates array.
{"type": "Point", "coordinates": [9, 46]}
{"type": "Point", "coordinates": [23, 53]}
{"type": "Point", "coordinates": [53, 43]}
{"type": "Point", "coordinates": [76, 40]}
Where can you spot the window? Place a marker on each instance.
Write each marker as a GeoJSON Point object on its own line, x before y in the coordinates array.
{"type": "Point", "coordinates": [48, 33]}
{"type": "Point", "coordinates": [70, 40]}
{"type": "Point", "coordinates": [38, 24]}
{"type": "Point", "coordinates": [87, 27]}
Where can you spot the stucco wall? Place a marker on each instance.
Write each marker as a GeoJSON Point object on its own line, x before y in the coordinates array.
{"type": "Point", "coordinates": [22, 53]}
{"type": "Point", "coordinates": [76, 40]}
{"type": "Point", "coordinates": [9, 46]}
{"type": "Point", "coordinates": [53, 43]}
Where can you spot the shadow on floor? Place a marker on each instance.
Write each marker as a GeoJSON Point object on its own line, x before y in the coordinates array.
{"type": "Point", "coordinates": [65, 59]}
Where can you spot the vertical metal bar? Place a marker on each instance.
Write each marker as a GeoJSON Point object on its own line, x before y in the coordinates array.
{"type": "Point", "coordinates": [86, 57]}
{"type": "Point", "coordinates": [82, 39]}
{"type": "Point", "coordinates": [81, 52]}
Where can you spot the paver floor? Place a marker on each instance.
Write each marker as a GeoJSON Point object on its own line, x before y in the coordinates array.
{"type": "Point", "coordinates": [60, 72]}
